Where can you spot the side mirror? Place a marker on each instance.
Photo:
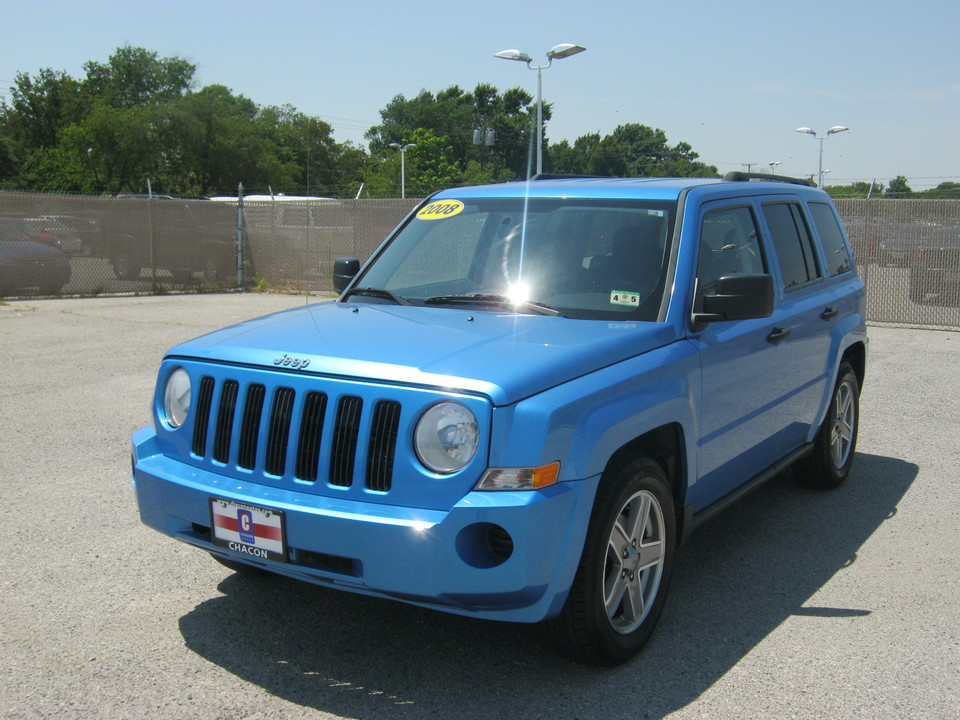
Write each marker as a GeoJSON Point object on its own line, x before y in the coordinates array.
{"type": "Point", "coordinates": [344, 270]}
{"type": "Point", "coordinates": [737, 297]}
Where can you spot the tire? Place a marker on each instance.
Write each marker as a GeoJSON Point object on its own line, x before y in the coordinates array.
{"type": "Point", "coordinates": [829, 463]}
{"type": "Point", "coordinates": [621, 584]}
{"type": "Point", "coordinates": [124, 267]}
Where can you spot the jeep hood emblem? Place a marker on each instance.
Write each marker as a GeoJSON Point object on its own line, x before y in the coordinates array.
{"type": "Point", "coordinates": [291, 362]}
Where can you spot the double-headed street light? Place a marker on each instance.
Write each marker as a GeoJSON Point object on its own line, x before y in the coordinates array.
{"type": "Point", "coordinates": [832, 131]}
{"type": "Point", "coordinates": [403, 165]}
{"type": "Point", "coordinates": [558, 52]}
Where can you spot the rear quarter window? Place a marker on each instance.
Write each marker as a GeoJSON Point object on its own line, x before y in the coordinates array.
{"type": "Point", "coordinates": [795, 254]}
{"type": "Point", "coordinates": [831, 237]}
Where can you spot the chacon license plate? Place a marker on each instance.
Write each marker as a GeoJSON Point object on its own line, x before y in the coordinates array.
{"type": "Point", "coordinates": [247, 529]}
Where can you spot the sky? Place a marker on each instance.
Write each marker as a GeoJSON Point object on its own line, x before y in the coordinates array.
{"type": "Point", "coordinates": [732, 78]}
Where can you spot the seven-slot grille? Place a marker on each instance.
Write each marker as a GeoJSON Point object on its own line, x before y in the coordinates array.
{"type": "Point", "coordinates": [233, 425]}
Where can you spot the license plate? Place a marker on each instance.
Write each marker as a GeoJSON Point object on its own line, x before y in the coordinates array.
{"type": "Point", "coordinates": [249, 530]}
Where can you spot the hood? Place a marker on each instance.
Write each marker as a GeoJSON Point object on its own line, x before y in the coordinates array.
{"type": "Point", "coordinates": [504, 356]}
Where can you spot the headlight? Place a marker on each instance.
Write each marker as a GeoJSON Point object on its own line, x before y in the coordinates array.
{"type": "Point", "coordinates": [447, 437]}
{"type": "Point", "coordinates": [176, 398]}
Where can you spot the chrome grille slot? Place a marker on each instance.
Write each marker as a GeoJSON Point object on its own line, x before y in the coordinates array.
{"type": "Point", "coordinates": [345, 433]}
{"type": "Point", "coordinates": [383, 442]}
{"type": "Point", "coordinates": [311, 432]}
{"type": "Point", "coordinates": [250, 426]}
{"type": "Point", "coordinates": [224, 429]}
{"type": "Point", "coordinates": [279, 433]}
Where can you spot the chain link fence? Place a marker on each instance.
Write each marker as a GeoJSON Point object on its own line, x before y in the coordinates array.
{"type": "Point", "coordinates": [908, 253]}
{"type": "Point", "coordinates": [908, 250]}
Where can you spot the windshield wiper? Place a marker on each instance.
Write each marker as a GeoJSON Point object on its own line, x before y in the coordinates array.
{"type": "Point", "coordinates": [499, 300]}
{"type": "Point", "coordinates": [377, 293]}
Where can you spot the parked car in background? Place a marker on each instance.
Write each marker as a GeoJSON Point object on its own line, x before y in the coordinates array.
{"type": "Point", "coordinates": [86, 228]}
{"type": "Point", "coordinates": [26, 263]}
{"type": "Point", "coordinates": [935, 267]}
{"type": "Point", "coordinates": [55, 233]}
{"type": "Point", "coordinates": [173, 235]}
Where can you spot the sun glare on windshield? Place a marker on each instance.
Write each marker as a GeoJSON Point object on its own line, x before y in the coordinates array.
{"type": "Point", "coordinates": [518, 293]}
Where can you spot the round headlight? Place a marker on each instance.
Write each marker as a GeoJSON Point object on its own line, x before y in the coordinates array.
{"type": "Point", "coordinates": [447, 437]}
{"type": "Point", "coordinates": [176, 398]}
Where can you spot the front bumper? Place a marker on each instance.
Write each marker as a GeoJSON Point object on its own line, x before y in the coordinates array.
{"type": "Point", "coordinates": [494, 555]}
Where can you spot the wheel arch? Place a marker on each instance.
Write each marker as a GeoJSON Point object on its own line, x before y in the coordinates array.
{"type": "Point", "coordinates": [666, 446]}
{"type": "Point", "coordinates": [856, 355]}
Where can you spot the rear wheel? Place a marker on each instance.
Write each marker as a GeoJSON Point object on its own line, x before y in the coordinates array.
{"type": "Point", "coordinates": [829, 463]}
{"type": "Point", "coordinates": [621, 585]}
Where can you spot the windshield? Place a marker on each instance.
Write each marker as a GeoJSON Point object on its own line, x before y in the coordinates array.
{"type": "Point", "coordinates": [598, 259]}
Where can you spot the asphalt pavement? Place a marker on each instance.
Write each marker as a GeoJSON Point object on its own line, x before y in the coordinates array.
{"type": "Point", "coordinates": [794, 604]}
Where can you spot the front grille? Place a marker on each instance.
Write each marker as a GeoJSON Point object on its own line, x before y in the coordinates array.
{"type": "Point", "coordinates": [271, 430]}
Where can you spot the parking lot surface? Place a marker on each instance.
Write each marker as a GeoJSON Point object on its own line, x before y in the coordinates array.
{"type": "Point", "coordinates": [794, 604]}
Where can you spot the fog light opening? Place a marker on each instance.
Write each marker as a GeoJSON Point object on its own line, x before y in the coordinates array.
{"type": "Point", "coordinates": [484, 545]}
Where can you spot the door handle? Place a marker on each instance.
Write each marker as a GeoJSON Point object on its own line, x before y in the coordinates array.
{"type": "Point", "coordinates": [829, 313]}
{"type": "Point", "coordinates": [778, 334]}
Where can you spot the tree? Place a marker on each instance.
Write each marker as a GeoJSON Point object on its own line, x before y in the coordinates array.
{"type": "Point", "coordinates": [631, 150]}
{"type": "Point", "coordinates": [42, 107]}
{"type": "Point", "coordinates": [430, 166]}
{"type": "Point", "coordinates": [856, 190]}
{"type": "Point", "coordinates": [456, 114]}
{"type": "Point", "coordinates": [322, 165]}
{"type": "Point", "coordinates": [945, 190]}
{"type": "Point", "coordinates": [134, 76]}
{"type": "Point", "coordinates": [898, 188]}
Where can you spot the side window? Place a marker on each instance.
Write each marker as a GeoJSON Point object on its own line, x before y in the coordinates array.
{"type": "Point", "coordinates": [798, 264]}
{"type": "Point", "coordinates": [834, 248]}
{"type": "Point", "coordinates": [729, 245]}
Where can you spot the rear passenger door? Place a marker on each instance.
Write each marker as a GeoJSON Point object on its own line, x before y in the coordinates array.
{"type": "Point", "coordinates": [804, 316]}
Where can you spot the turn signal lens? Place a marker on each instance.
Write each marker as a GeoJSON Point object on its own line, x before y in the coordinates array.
{"type": "Point", "coordinates": [519, 478]}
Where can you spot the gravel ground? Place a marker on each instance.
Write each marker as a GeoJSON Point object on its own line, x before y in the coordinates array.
{"type": "Point", "coordinates": [795, 604]}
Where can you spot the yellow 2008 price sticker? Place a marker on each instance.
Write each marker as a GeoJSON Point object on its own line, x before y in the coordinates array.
{"type": "Point", "coordinates": [440, 210]}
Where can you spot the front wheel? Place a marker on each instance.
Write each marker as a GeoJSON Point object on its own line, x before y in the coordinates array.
{"type": "Point", "coordinates": [621, 585]}
{"type": "Point", "coordinates": [829, 463]}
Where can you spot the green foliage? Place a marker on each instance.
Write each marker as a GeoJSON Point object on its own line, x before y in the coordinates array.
{"type": "Point", "coordinates": [138, 117]}
{"type": "Point", "coordinates": [133, 76]}
{"type": "Point", "coordinates": [898, 188]}
{"type": "Point", "coordinates": [945, 190]}
{"type": "Point", "coordinates": [856, 190]}
{"type": "Point", "coordinates": [632, 150]}
{"type": "Point", "coordinates": [455, 114]}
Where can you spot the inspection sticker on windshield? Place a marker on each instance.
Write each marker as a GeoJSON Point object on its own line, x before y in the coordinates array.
{"type": "Point", "coordinates": [247, 529]}
{"type": "Point", "coordinates": [440, 210]}
{"type": "Point", "coordinates": [624, 297]}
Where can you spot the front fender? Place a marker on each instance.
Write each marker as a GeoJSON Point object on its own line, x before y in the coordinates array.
{"type": "Point", "coordinates": [583, 422]}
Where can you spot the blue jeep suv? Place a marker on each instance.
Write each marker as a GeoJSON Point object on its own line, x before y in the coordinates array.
{"type": "Point", "coordinates": [524, 401]}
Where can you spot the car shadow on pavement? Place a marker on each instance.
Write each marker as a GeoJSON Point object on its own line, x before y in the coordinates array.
{"type": "Point", "coordinates": [740, 576]}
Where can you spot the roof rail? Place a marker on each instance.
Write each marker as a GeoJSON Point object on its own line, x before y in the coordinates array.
{"type": "Point", "coordinates": [558, 176]}
{"type": "Point", "coordinates": [737, 176]}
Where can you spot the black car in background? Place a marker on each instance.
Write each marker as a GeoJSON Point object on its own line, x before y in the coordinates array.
{"type": "Point", "coordinates": [26, 262]}
{"type": "Point", "coordinates": [173, 235]}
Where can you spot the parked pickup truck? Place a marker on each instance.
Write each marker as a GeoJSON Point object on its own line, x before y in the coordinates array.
{"type": "Point", "coordinates": [524, 401]}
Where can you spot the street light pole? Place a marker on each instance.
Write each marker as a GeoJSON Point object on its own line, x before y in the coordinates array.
{"type": "Point", "coordinates": [832, 131]}
{"type": "Point", "coordinates": [403, 165]}
{"type": "Point", "coordinates": [558, 52]}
